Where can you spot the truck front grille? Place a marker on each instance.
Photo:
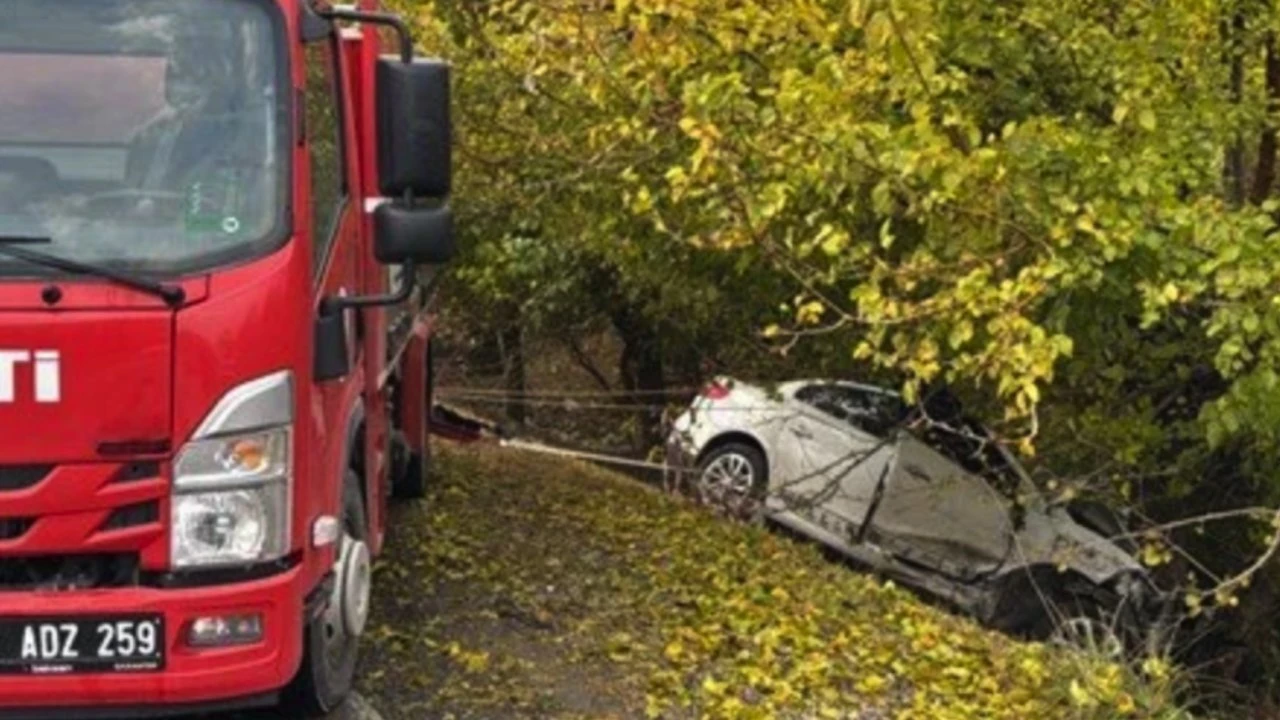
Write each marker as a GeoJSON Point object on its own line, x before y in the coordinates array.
{"type": "Point", "coordinates": [133, 516]}
{"type": "Point", "coordinates": [68, 572]}
{"type": "Point", "coordinates": [82, 526]}
{"type": "Point", "coordinates": [21, 477]}
{"type": "Point", "coordinates": [14, 528]}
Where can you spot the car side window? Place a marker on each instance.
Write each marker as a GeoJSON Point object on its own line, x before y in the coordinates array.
{"type": "Point", "coordinates": [872, 412]}
{"type": "Point", "coordinates": [968, 444]}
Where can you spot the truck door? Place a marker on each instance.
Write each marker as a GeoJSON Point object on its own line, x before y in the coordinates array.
{"type": "Point", "coordinates": [837, 457]}
{"type": "Point", "coordinates": [333, 216]}
{"type": "Point", "coordinates": [935, 514]}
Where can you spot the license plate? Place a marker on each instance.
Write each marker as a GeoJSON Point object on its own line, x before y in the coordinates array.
{"type": "Point", "coordinates": [58, 646]}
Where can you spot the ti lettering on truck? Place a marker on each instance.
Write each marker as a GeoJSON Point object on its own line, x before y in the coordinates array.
{"type": "Point", "coordinates": [210, 383]}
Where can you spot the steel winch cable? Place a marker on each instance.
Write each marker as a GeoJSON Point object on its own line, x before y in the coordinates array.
{"type": "Point", "coordinates": [539, 394]}
{"type": "Point", "coordinates": [544, 449]}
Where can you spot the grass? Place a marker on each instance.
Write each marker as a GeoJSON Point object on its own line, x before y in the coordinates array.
{"type": "Point", "coordinates": [532, 587]}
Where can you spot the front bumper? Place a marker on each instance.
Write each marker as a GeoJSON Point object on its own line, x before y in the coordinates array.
{"type": "Point", "coordinates": [242, 675]}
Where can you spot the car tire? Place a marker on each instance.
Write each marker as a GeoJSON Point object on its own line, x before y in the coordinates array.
{"type": "Point", "coordinates": [733, 478]}
{"type": "Point", "coordinates": [330, 643]}
{"type": "Point", "coordinates": [1084, 624]}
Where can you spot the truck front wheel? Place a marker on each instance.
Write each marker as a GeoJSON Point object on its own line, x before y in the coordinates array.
{"type": "Point", "coordinates": [331, 640]}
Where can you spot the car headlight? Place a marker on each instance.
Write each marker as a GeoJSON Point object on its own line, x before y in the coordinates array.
{"type": "Point", "coordinates": [232, 483]}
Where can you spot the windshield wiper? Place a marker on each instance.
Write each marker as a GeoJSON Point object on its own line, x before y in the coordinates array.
{"type": "Point", "coordinates": [15, 246]}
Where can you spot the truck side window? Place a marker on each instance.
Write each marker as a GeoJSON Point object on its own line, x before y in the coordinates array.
{"type": "Point", "coordinates": [325, 147]}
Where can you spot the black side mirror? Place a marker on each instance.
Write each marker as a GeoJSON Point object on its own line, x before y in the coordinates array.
{"type": "Point", "coordinates": [414, 161]}
{"type": "Point", "coordinates": [419, 235]}
{"type": "Point", "coordinates": [332, 360]}
{"type": "Point", "coordinates": [415, 128]}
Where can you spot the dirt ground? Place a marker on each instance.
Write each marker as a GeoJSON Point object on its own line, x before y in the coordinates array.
{"type": "Point", "coordinates": [481, 614]}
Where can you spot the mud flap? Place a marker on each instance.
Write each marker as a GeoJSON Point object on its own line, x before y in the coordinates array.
{"type": "Point", "coordinates": [452, 425]}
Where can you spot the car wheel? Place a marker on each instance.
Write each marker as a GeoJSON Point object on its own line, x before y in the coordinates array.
{"type": "Point", "coordinates": [733, 479]}
{"type": "Point", "coordinates": [331, 640]}
{"type": "Point", "coordinates": [1083, 624]}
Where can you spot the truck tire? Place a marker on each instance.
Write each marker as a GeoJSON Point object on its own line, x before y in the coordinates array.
{"type": "Point", "coordinates": [412, 483]}
{"type": "Point", "coordinates": [331, 640]}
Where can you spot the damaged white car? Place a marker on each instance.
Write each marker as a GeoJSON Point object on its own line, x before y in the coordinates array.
{"type": "Point", "coordinates": [930, 501]}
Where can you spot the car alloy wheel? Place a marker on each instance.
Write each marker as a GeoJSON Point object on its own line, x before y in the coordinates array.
{"type": "Point", "coordinates": [1090, 634]}
{"type": "Point", "coordinates": [730, 483]}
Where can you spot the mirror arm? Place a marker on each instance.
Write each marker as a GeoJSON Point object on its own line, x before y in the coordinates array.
{"type": "Point", "coordinates": [376, 18]}
{"type": "Point", "coordinates": [408, 284]}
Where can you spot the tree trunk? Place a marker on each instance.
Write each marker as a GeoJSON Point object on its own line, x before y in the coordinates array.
{"type": "Point", "coordinates": [584, 360]}
{"type": "Point", "coordinates": [642, 373]}
{"type": "Point", "coordinates": [641, 367]}
{"type": "Point", "coordinates": [511, 346]}
{"type": "Point", "coordinates": [1265, 177]}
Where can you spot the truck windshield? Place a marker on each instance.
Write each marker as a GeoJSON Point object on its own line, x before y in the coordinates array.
{"type": "Point", "coordinates": [142, 133]}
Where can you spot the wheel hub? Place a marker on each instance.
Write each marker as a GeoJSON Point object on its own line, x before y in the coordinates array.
{"type": "Point", "coordinates": [727, 483]}
{"type": "Point", "coordinates": [1086, 633]}
{"type": "Point", "coordinates": [349, 606]}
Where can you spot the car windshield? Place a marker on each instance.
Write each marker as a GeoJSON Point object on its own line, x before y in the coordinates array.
{"type": "Point", "coordinates": [141, 133]}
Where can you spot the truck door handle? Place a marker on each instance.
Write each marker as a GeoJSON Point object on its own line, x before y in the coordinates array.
{"type": "Point", "coordinates": [802, 433]}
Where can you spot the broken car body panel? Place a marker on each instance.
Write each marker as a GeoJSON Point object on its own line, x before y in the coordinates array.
{"type": "Point", "coordinates": [898, 504]}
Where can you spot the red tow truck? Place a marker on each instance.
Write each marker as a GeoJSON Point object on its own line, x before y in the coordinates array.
{"type": "Point", "coordinates": [222, 225]}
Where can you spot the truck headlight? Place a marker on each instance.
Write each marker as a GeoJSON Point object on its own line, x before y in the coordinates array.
{"type": "Point", "coordinates": [232, 483]}
{"type": "Point", "coordinates": [235, 527]}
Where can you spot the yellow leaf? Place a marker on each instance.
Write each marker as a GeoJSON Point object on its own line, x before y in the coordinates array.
{"type": "Point", "coordinates": [1156, 668]}
{"type": "Point", "coordinates": [879, 30]}
{"type": "Point", "coordinates": [673, 650]}
{"type": "Point", "coordinates": [810, 313]}
{"type": "Point", "coordinates": [713, 688]}
{"type": "Point", "coordinates": [857, 12]}
{"type": "Point", "coordinates": [1081, 696]}
{"type": "Point", "coordinates": [1147, 119]}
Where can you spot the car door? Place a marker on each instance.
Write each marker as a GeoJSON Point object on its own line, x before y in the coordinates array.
{"type": "Point", "coordinates": [836, 462]}
{"type": "Point", "coordinates": [935, 514]}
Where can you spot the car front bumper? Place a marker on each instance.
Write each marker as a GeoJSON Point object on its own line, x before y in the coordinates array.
{"type": "Point", "coordinates": [192, 678]}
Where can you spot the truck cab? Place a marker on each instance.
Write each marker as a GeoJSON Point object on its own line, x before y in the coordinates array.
{"type": "Point", "coordinates": [222, 226]}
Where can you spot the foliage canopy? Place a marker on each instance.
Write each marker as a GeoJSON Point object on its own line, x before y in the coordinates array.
{"type": "Point", "coordinates": [1065, 209]}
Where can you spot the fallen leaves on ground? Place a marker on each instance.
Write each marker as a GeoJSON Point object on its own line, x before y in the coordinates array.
{"type": "Point", "coordinates": [531, 587]}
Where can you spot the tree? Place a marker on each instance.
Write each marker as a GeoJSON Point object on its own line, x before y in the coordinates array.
{"type": "Point", "coordinates": [1064, 210]}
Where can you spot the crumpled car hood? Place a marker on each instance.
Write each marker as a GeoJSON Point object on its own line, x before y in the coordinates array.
{"type": "Point", "coordinates": [1053, 538]}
